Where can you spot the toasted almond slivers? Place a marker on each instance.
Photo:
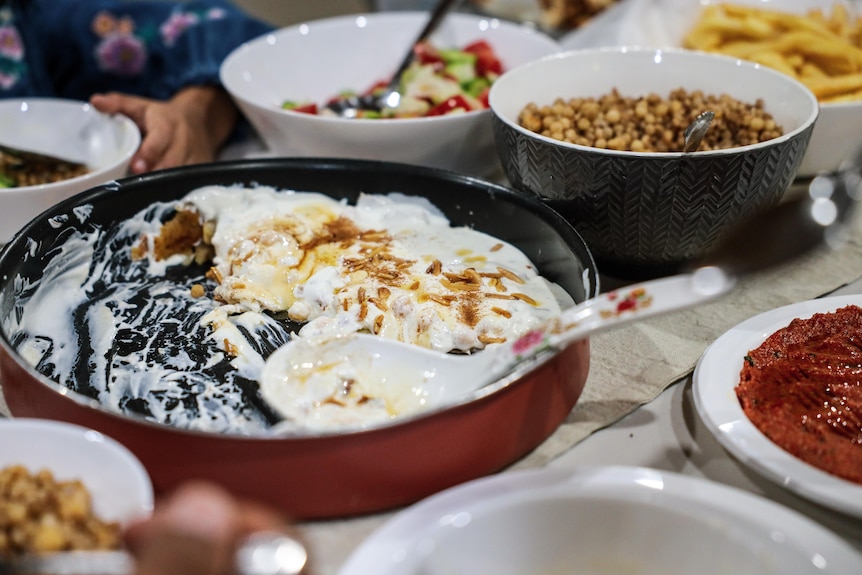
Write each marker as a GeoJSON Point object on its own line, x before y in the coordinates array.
{"type": "Point", "coordinates": [459, 286]}
{"type": "Point", "coordinates": [486, 339]}
{"type": "Point", "coordinates": [500, 311]}
{"type": "Point", "coordinates": [508, 274]}
{"type": "Point", "coordinates": [215, 274]}
{"type": "Point", "coordinates": [473, 276]}
{"type": "Point", "coordinates": [435, 268]}
{"type": "Point", "coordinates": [496, 247]}
{"type": "Point", "coordinates": [229, 347]}
{"type": "Point", "coordinates": [442, 300]}
{"type": "Point", "coordinates": [499, 296]}
{"type": "Point", "coordinates": [525, 298]}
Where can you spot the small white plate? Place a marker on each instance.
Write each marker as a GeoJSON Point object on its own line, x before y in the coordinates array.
{"type": "Point", "coordinates": [599, 520]}
{"type": "Point", "coordinates": [716, 376]}
{"type": "Point", "coordinates": [119, 485]}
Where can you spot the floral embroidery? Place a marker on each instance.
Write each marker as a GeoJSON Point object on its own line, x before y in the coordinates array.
{"type": "Point", "coordinates": [174, 26]}
{"type": "Point", "coordinates": [123, 48]}
{"type": "Point", "coordinates": [12, 64]}
{"type": "Point", "coordinates": [181, 21]}
{"type": "Point", "coordinates": [11, 45]}
{"type": "Point", "coordinates": [120, 51]}
{"type": "Point", "coordinates": [122, 54]}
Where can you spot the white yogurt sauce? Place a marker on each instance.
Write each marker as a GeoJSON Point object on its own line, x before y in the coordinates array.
{"type": "Point", "coordinates": [144, 345]}
{"type": "Point", "coordinates": [267, 259]}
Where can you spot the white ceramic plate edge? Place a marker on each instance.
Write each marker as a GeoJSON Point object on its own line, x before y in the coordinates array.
{"type": "Point", "coordinates": [384, 551]}
{"type": "Point", "coordinates": [715, 377]}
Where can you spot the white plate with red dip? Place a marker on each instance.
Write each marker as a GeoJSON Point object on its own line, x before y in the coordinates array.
{"type": "Point", "coordinates": [715, 380]}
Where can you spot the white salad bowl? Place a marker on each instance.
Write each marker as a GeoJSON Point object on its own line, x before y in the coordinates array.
{"type": "Point", "coordinates": [317, 60]}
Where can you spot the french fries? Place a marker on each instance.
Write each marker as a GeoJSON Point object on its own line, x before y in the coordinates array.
{"type": "Point", "coordinates": [821, 49]}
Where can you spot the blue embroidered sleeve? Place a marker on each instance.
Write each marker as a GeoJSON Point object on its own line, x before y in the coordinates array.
{"type": "Point", "coordinates": [73, 48]}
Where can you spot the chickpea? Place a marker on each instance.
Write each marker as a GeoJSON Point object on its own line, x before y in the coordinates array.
{"type": "Point", "coordinates": [39, 513]}
{"type": "Point", "coordinates": [651, 123]}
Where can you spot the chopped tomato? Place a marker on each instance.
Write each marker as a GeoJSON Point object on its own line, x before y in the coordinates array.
{"type": "Point", "coordinates": [449, 105]}
{"type": "Point", "coordinates": [305, 108]}
{"type": "Point", "coordinates": [425, 53]}
{"type": "Point", "coordinates": [486, 60]}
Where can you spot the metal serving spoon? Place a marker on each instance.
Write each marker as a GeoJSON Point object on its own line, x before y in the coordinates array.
{"type": "Point", "coordinates": [695, 131]}
{"type": "Point", "coordinates": [350, 106]}
{"type": "Point", "coordinates": [769, 237]}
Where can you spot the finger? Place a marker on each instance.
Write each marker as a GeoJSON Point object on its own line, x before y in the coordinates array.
{"type": "Point", "coordinates": [182, 149]}
{"type": "Point", "coordinates": [191, 532]}
{"type": "Point", "coordinates": [115, 103]}
{"type": "Point", "coordinates": [157, 141]}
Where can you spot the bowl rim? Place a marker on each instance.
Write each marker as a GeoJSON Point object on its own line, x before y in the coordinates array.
{"type": "Point", "coordinates": [93, 175]}
{"type": "Point", "coordinates": [807, 124]}
{"type": "Point", "coordinates": [111, 448]}
{"type": "Point", "coordinates": [153, 178]}
{"type": "Point", "coordinates": [397, 17]}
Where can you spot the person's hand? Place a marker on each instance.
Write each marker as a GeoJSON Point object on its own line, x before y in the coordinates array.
{"type": "Point", "coordinates": [190, 128]}
{"type": "Point", "coordinates": [196, 529]}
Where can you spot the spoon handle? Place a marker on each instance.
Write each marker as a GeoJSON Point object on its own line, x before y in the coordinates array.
{"type": "Point", "coordinates": [612, 309]}
{"type": "Point", "coordinates": [433, 21]}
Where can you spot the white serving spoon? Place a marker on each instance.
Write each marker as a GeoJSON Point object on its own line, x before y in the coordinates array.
{"type": "Point", "coordinates": [394, 370]}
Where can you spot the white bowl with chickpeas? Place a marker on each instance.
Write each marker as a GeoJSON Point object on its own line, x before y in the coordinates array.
{"type": "Point", "coordinates": [598, 133]}
{"type": "Point", "coordinates": [818, 42]}
{"type": "Point", "coordinates": [73, 488]}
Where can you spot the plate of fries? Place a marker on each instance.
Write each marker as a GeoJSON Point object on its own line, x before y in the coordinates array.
{"type": "Point", "coordinates": [817, 42]}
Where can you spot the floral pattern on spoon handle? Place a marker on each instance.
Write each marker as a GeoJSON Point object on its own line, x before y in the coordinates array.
{"type": "Point", "coordinates": [618, 307]}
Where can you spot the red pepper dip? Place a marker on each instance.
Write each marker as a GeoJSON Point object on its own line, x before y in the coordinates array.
{"type": "Point", "coordinates": [803, 389]}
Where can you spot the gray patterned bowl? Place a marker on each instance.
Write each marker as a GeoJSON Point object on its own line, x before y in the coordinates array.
{"type": "Point", "coordinates": [648, 214]}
